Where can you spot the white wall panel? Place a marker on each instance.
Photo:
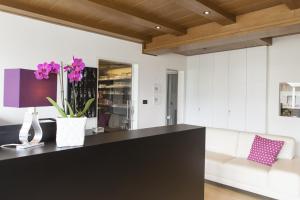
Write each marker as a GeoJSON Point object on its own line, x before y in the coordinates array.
{"type": "Point", "coordinates": [220, 90]}
{"type": "Point", "coordinates": [256, 103]}
{"type": "Point", "coordinates": [205, 78]}
{"type": "Point", "coordinates": [237, 89]}
{"type": "Point", "coordinates": [192, 90]}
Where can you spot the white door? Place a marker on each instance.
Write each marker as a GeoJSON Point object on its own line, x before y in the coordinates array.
{"type": "Point", "coordinates": [256, 89]}
{"type": "Point", "coordinates": [237, 89]}
{"type": "Point", "coordinates": [220, 90]}
{"type": "Point", "coordinates": [192, 90]}
{"type": "Point", "coordinates": [205, 89]}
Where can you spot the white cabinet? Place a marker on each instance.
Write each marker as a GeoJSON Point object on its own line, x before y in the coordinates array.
{"type": "Point", "coordinates": [220, 90]}
{"type": "Point", "coordinates": [205, 89]}
{"type": "Point", "coordinates": [199, 90]}
{"type": "Point", "coordinates": [237, 89]}
{"type": "Point", "coordinates": [256, 89]}
{"type": "Point", "coordinates": [192, 91]}
{"type": "Point", "coordinates": [228, 90]}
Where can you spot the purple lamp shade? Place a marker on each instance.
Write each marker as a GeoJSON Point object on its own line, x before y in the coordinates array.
{"type": "Point", "coordinates": [22, 89]}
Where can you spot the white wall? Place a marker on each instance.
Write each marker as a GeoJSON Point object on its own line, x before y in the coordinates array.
{"type": "Point", "coordinates": [25, 42]}
{"type": "Point", "coordinates": [284, 66]}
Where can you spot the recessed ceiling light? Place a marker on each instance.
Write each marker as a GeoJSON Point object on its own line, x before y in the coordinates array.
{"type": "Point", "coordinates": [206, 12]}
{"type": "Point", "coordinates": [157, 27]}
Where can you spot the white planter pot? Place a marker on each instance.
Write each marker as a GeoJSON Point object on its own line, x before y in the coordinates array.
{"type": "Point", "coordinates": [70, 131]}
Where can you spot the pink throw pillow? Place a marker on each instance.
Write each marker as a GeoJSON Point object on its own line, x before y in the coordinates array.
{"type": "Point", "coordinates": [265, 151]}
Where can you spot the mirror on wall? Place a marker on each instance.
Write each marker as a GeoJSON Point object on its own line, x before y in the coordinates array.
{"type": "Point", "coordinates": [289, 99]}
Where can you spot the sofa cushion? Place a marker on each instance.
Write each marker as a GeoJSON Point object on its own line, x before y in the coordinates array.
{"type": "Point", "coordinates": [221, 141]}
{"type": "Point", "coordinates": [245, 141]}
{"type": "Point", "coordinates": [246, 172]}
{"type": "Point", "coordinates": [284, 177]}
{"type": "Point", "coordinates": [265, 151]}
{"type": "Point", "coordinates": [214, 162]}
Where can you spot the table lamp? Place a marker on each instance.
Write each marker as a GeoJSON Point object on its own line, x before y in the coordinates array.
{"type": "Point", "coordinates": [22, 89]}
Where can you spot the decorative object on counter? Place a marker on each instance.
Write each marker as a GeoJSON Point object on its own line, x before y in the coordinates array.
{"type": "Point", "coordinates": [9, 134]}
{"type": "Point", "coordinates": [85, 89]}
{"type": "Point", "coordinates": [70, 131]}
{"type": "Point", "coordinates": [22, 90]}
{"type": "Point", "coordinates": [70, 128]}
{"type": "Point", "coordinates": [98, 130]}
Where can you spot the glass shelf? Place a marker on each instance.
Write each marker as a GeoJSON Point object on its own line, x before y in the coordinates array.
{"type": "Point", "coordinates": [115, 79]}
{"type": "Point", "coordinates": [115, 86]}
{"type": "Point", "coordinates": [114, 106]}
{"type": "Point", "coordinates": [115, 94]}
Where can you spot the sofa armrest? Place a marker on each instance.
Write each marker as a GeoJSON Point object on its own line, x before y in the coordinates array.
{"type": "Point", "coordinates": [284, 176]}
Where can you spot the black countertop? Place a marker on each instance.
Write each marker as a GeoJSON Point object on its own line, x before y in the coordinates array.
{"type": "Point", "coordinates": [99, 139]}
{"type": "Point", "coordinates": [162, 163]}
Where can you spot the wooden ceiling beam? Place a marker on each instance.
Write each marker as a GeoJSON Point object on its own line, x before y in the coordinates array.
{"type": "Point", "coordinates": [208, 10]}
{"type": "Point", "coordinates": [265, 41]}
{"type": "Point", "coordinates": [271, 22]}
{"type": "Point", "coordinates": [55, 18]}
{"type": "Point", "coordinates": [227, 47]}
{"type": "Point", "coordinates": [135, 17]}
{"type": "Point", "coordinates": [292, 4]}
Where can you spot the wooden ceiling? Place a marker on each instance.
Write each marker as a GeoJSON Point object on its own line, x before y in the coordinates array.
{"type": "Point", "coordinates": [186, 27]}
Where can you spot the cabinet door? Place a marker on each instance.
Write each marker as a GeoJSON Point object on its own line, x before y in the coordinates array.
{"type": "Point", "coordinates": [237, 90]}
{"type": "Point", "coordinates": [206, 69]}
{"type": "Point", "coordinates": [192, 90]}
{"type": "Point", "coordinates": [220, 90]}
{"type": "Point", "coordinates": [256, 89]}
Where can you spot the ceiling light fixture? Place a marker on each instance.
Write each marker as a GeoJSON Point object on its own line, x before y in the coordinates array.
{"type": "Point", "coordinates": [157, 27]}
{"type": "Point", "coordinates": [206, 12]}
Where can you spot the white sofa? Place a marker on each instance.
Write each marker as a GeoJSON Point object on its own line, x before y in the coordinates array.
{"type": "Point", "coordinates": [226, 163]}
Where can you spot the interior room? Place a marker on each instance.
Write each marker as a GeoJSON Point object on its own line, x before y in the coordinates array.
{"type": "Point", "coordinates": [158, 100]}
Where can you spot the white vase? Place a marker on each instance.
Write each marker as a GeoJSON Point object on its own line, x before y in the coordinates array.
{"type": "Point", "coordinates": [70, 131]}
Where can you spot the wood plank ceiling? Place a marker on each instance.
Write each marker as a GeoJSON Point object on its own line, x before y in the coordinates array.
{"type": "Point", "coordinates": [186, 27]}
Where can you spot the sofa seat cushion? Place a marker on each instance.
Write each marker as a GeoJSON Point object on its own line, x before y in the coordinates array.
{"type": "Point", "coordinates": [214, 162]}
{"type": "Point", "coordinates": [246, 172]}
{"type": "Point", "coordinates": [285, 177]}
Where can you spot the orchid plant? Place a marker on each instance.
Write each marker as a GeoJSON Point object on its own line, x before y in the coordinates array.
{"type": "Point", "coordinates": [74, 74]}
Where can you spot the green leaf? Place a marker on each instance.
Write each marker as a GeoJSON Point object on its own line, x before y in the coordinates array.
{"type": "Point", "coordinates": [86, 107]}
{"type": "Point", "coordinates": [59, 109]}
{"type": "Point", "coordinates": [70, 109]}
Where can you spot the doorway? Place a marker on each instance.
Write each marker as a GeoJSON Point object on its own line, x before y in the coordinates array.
{"type": "Point", "coordinates": [115, 109]}
{"type": "Point", "coordinates": [172, 95]}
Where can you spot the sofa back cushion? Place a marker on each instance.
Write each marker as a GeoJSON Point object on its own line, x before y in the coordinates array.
{"type": "Point", "coordinates": [246, 139]}
{"type": "Point", "coordinates": [221, 141]}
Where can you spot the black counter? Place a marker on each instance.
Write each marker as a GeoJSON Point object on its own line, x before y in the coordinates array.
{"type": "Point", "coordinates": [163, 163]}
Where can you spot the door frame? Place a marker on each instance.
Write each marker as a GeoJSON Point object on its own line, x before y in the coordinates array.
{"type": "Point", "coordinates": [168, 72]}
{"type": "Point", "coordinates": [134, 90]}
